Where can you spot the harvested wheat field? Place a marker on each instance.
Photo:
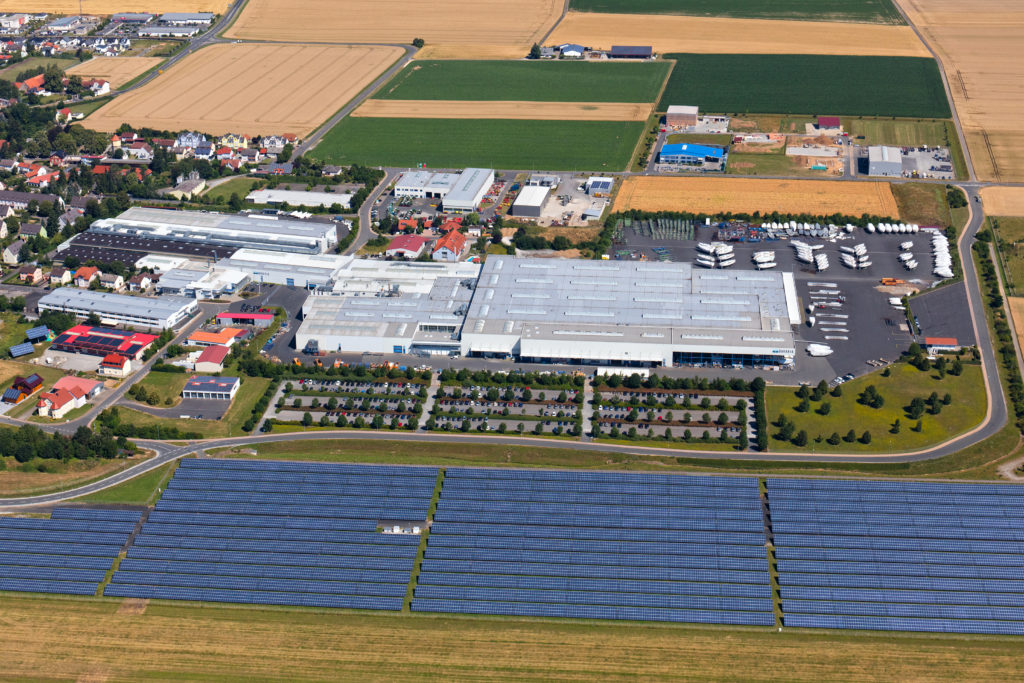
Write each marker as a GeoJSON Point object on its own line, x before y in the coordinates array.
{"type": "Point", "coordinates": [104, 7]}
{"type": "Point", "coordinates": [253, 88]}
{"type": "Point", "coordinates": [980, 47]}
{"type": "Point", "coordinates": [736, 36]}
{"type": "Point", "coordinates": [537, 111]}
{"type": "Point", "coordinates": [1003, 201]}
{"type": "Point", "coordinates": [117, 70]}
{"type": "Point", "coordinates": [483, 29]}
{"type": "Point", "coordinates": [747, 195]}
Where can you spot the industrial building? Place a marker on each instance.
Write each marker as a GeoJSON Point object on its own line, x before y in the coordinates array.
{"type": "Point", "coordinates": [885, 161]}
{"type": "Point", "coordinates": [576, 311]}
{"type": "Point", "coordinates": [598, 186]}
{"type": "Point", "coordinates": [424, 184]}
{"type": "Point", "coordinates": [631, 52]}
{"type": "Point", "coordinates": [469, 190]}
{"type": "Point", "coordinates": [205, 387]}
{"type": "Point", "coordinates": [686, 154]}
{"type": "Point", "coordinates": [530, 202]}
{"type": "Point", "coordinates": [102, 341]}
{"type": "Point", "coordinates": [681, 116]}
{"type": "Point", "coordinates": [294, 270]}
{"type": "Point", "coordinates": [208, 283]}
{"type": "Point", "coordinates": [118, 309]}
{"type": "Point", "coordinates": [221, 230]}
{"type": "Point", "coordinates": [298, 198]}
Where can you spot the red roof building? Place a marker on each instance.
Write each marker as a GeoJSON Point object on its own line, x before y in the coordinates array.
{"type": "Point", "coordinates": [829, 122]}
{"type": "Point", "coordinates": [450, 247]}
{"type": "Point", "coordinates": [406, 246]}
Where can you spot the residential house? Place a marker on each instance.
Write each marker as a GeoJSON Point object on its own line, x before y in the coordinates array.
{"type": "Point", "coordinates": [140, 282]}
{"type": "Point", "coordinates": [85, 275]}
{"type": "Point", "coordinates": [60, 276]}
{"type": "Point", "coordinates": [29, 230]}
{"type": "Point", "coordinates": [22, 387]}
{"type": "Point", "coordinates": [450, 247]}
{"type": "Point", "coordinates": [250, 155]}
{"type": "Point", "coordinates": [43, 181]}
{"type": "Point", "coordinates": [32, 85]}
{"type": "Point", "coordinates": [275, 169]}
{"type": "Point", "coordinates": [21, 200]}
{"type": "Point", "coordinates": [190, 140]}
{"type": "Point", "coordinates": [234, 141]}
{"type": "Point", "coordinates": [331, 170]}
{"type": "Point", "coordinates": [211, 360]}
{"type": "Point", "coordinates": [233, 164]}
{"type": "Point", "coordinates": [11, 254]}
{"type": "Point", "coordinates": [115, 365]}
{"type": "Point", "coordinates": [69, 217]}
{"type": "Point", "coordinates": [474, 231]}
{"type": "Point", "coordinates": [30, 274]}
{"type": "Point", "coordinates": [204, 150]}
{"type": "Point", "coordinates": [222, 153]}
{"type": "Point", "coordinates": [112, 281]}
{"type": "Point", "coordinates": [275, 144]}
{"type": "Point", "coordinates": [3, 228]}
{"type": "Point", "coordinates": [8, 165]}
{"type": "Point", "coordinates": [140, 150]}
{"type": "Point", "coordinates": [57, 403]}
{"type": "Point", "coordinates": [187, 187]}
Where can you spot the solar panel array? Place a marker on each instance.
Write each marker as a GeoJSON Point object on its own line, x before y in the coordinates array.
{"type": "Point", "coordinates": [283, 533]}
{"type": "Point", "coordinates": [19, 350]}
{"type": "Point", "coordinates": [599, 546]}
{"type": "Point", "coordinates": [69, 553]}
{"type": "Point", "coordinates": [906, 556]}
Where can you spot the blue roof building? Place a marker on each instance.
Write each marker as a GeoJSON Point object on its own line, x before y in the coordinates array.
{"type": "Point", "coordinates": [690, 154]}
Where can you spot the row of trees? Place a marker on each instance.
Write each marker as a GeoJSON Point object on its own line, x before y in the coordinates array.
{"type": "Point", "coordinates": [27, 443]}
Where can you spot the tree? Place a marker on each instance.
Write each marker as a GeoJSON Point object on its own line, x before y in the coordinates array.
{"type": "Point", "coordinates": [535, 51]}
{"type": "Point", "coordinates": [850, 437]}
{"type": "Point", "coordinates": [803, 391]}
{"type": "Point", "coordinates": [834, 439]}
{"type": "Point", "coordinates": [895, 426]}
{"type": "Point", "coordinates": [418, 43]}
{"type": "Point", "coordinates": [324, 421]}
{"type": "Point", "coordinates": [804, 406]}
{"type": "Point", "coordinates": [235, 202]}
{"type": "Point", "coordinates": [307, 419]}
{"type": "Point", "coordinates": [800, 440]}
{"type": "Point", "coordinates": [865, 438]}
{"type": "Point", "coordinates": [825, 408]}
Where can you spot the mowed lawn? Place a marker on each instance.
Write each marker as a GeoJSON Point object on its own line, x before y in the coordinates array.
{"type": "Point", "coordinates": [808, 84]}
{"type": "Point", "coordinates": [230, 425]}
{"type": "Point", "coordinates": [922, 203]}
{"type": "Point", "coordinates": [1011, 248]}
{"type": "Point", "coordinates": [241, 186]}
{"type": "Point", "coordinates": [863, 11]}
{"type": "Point", "coordinates": [140, 490]}
{"type": "Point", "coordinates": [540, 81]}
{"type": "Point", "coordinates": [903, 385]}
{"type": "Point", "coordinates": [166, 385]}
{"type": "Point", "coordinates": [498, 143]}
{"type": "Point", "coordinates": [51, 638]}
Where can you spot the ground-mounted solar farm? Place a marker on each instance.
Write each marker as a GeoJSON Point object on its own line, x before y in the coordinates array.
{"type": "Point", "coordinates": [691, 549]}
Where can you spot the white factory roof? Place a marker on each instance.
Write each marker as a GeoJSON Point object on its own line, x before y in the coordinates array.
{"type": "Point", "coordinates": [157, 308]}
{"type": "Point", "coordinates": [682, 109]}
{"type": "Point", "coordinates": [160, 263]}
{"type": "Point", "coordinates": [532, 195]}
{"type": "Point", "coordinates": [298, 198]}
{"type": "Point", "coordinates": [882, 153]}
{"type": "Point", "coordinates": [278, 268]}
{"type": "Point", "coordinates": [237, 230]}
{"type": "Point", "coordinates": [469, 187]}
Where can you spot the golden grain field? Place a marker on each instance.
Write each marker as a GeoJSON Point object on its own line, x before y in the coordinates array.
{"type": "Point", "coordinates": [979, 44]}
{"type": "Point", "coordinates": [736, 36]}
{"type": "Point", "coordinates": [452, 29]}
{"type": "Point", "coordinates": [117, 70]}
{"type": "Point", "coordinates": [504, 109]}
{"type": "Point", "coordinates": [255, 88]}
{"type": "Point", "coordinates": [1003, 201]}
{"type": "Point", "coordinates": [718, 195]}
{"type": "Point", "coordinates": [104, 7]}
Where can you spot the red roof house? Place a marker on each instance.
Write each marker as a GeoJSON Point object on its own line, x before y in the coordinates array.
{"type": "Point", "coordinates": [450, 247]}
{"type": "Point", "coordinates": [406, 246]}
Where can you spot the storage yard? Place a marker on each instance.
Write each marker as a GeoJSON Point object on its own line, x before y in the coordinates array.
{"type": "Point", "coordinates": [721, 195]}
{"type": "Point", "coordinates": [980, 56]}
{"type": "Point", "coordinates": [249, 89]}
{"type": "Point", "coordinates": [116, 70]}
{"type": "Point", "coordinates": [536, 111]}
{"type": "Point", "coordinates": [452, 29]}
{"type": "Point", "coordinates": [737, 36]}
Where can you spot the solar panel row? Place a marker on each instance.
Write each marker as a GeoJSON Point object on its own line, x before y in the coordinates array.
{"type": "Point", "coordinates": [749, 483]}
{"type": "Point", "coordinates": [597, 509]}
{"type": "Point", "coordinates": [277, 533]}
{"type": "Point", "coordinates": [265, 571]}
{"type": "Point", "coordinates": [601, 521]}
{"type": "Point", "coordinates": [399, 511]}
{"type": "Point", "coordinates": [282, 585]}
{"type": "Point", "coordinates": [609, 546]}
{"type": "Point", "coordinates": [673, 500]}
{"type": "Point", "coordinates": [899, 555]}
{"type": "Point", "coordinates": [262, 521]}
{"type": "Point", "coordinates": [584, 532]}
{"type": "Point", "coordinates": [318, 467]}
{"type": "Point", "coordinates": [253, 597]}
{"type": "Point", "coordinates": [591, 597]}
{"type": "Point", "coordinates": [595, 558]}
{"type": "Point", "coordinates": [286, 546]}
{"type": "Point", "coordinates": [69, 553]}
{"type": "Point", "coordinates": [296, 488]}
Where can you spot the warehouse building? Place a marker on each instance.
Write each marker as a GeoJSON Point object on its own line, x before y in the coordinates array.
{"type": "Point", "coordinates": [885, 161]}
{"type": "Point", "coordinates": [205, 387]}
{"type": "Point", "coordinates": [681, 116]}
{"type": "Point", "coordinates": [631, 52]}
{"type": "Point", "coordinates": [118, 309]}
{"type": "Point", "coordinates": [530, 202]}
{"type": "Point", "coordinates": [221, 230]}
{"type": "Point", "coordinates": [469, 190]}
{"type": "Point", "coordinates": [647, 314]}
{"type": "Point", "coordinates": [186, 18]}
{"type": "Point", "coordinates": [424, 184]}
{"type": "Point", "coordinates": [293, 270]}
{"type": "Point", "coordinates": [298, 198]}
{"type": "Point", "coordinates": [102, 341]}
{"type": "Point", "coordinates": [686, 154]}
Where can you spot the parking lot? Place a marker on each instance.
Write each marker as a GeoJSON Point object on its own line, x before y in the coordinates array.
{"type": "Point", "coordinates": [849, 303]}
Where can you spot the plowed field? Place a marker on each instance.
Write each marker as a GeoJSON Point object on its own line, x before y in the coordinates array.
{"type": "Point", "coordinates": [452, 29]}
{"type": "Point", "coordinates": [736, 36]}
{"type": "Point", "coordinates": [980, 47]}
{"type": "Point", "coordinates": [103, 7]}
{"type": "Point", "coordinates": [718, 195]}
{"type": "Point", "coordinates": [547, 111]}
{"type": "Point", "coordinates": [1003, 201]}
{"type": "Point", "coordinates": [252, 88]}
{"type": "Point", "coordinates": [117, 70]}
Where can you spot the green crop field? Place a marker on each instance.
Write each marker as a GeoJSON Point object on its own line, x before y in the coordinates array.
{"type": "Point", "coordinates": [547, 81]}
{"type": "Point", "coordinates": [499, 143]}
{"type": "Point", "coordinates": [808, 84]}
{"type": "Point", "coordinates": [862, 11]}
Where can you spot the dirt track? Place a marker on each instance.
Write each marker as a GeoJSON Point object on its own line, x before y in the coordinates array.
{"type": "Point", "coordinates": [980, 47]}
{"type": "Point", "coordinates": [547, 111]}
{"type": "Point", "coordinates": [737, 36]}
{"type": "Point", "coordinates": [103, 7]}
{"type": "Point", "coordinates": [250, 88]}
{"type": "Point", "coordinates": [117, 70]}
{"type": "Point", "coordinates": [714, 195]}
{"type": "Point", "coordinates": [1003, 201]}
{"type": "Point", "coordinates": [451, 28]}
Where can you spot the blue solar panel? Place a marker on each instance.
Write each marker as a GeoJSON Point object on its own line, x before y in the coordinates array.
{"type": "Point", "coordinates": [253, 597]}
{"type": "Point", "coordinates": [19, 350]}
{"type": "Point", "coordinates": [651, 587]}
{"type": "Point", "coordinates": [292, 585]}
{"type": "Point", "coordinates": [47, 586]}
